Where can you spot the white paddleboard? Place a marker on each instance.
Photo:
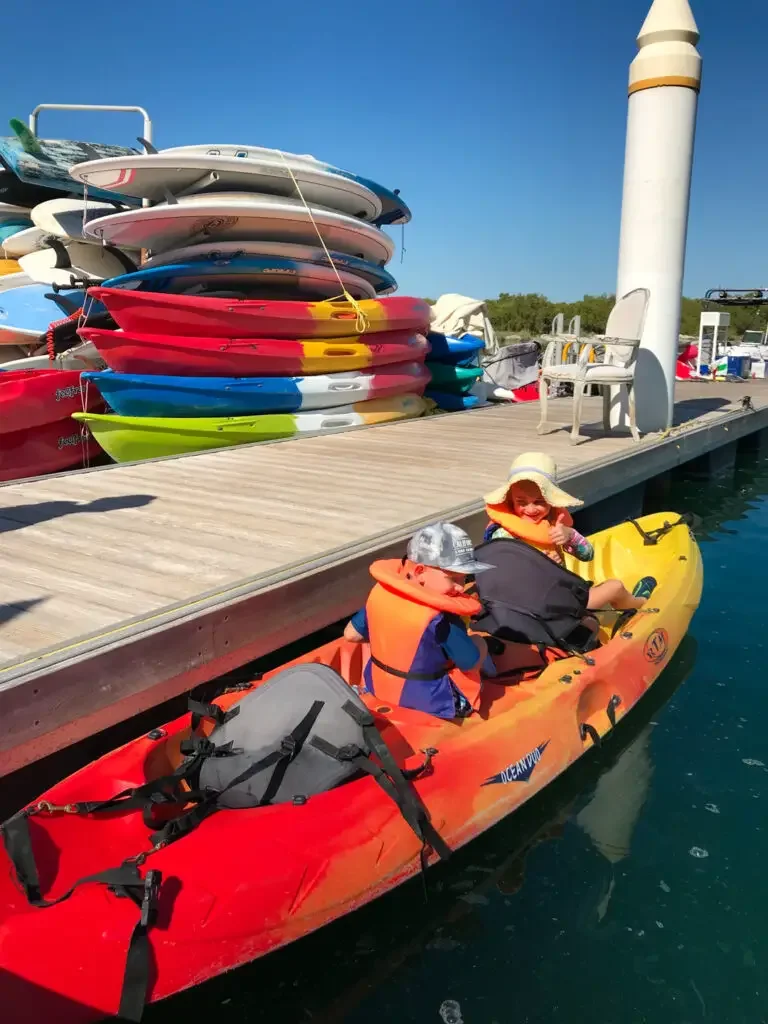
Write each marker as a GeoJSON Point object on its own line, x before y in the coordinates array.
{"type": "Point", "coordinates": [150, 175]}
{"type": "Point", "coordinates": [232, 217]}
{"type": "Point", "coordinates": [65, 217]}
{"type": "Point", "coordinates": [394, 210]}
{"type": "Point", "coordinates": [23, 242]}
{"type": "Point", "coordinates": [81, 259]}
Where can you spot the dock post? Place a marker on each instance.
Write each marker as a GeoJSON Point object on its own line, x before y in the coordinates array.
{"type": "Point", "coordinates": [664, 81]}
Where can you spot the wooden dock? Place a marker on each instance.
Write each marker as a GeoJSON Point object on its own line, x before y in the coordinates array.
{"type": "Point", "coordinates": [123, 586]}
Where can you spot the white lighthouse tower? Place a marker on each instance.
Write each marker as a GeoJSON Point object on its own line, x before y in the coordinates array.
{"type": "Point", "coordinates": [664, 82]}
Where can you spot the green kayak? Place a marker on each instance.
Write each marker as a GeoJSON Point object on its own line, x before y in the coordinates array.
{"type": "Point", "coordinates": [457, 380]}
{"type": "Point", "coordinates": [133, 438]}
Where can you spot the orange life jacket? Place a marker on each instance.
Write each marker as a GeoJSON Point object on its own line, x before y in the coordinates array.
{"type": "Point", "coordinates": [535, 534]}
{"type": "Point", "coordinates": [407, 666]}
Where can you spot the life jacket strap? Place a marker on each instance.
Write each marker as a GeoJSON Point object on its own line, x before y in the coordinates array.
{"type": "Point", "coordinates": [421, 677]}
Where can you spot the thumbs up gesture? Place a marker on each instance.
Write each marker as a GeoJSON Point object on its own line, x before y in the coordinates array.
{"type": "Point", "coordinates": [560, 534]}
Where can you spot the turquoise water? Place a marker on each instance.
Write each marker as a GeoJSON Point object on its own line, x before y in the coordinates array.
{"type": "Point", "coordinates": [632, 891]}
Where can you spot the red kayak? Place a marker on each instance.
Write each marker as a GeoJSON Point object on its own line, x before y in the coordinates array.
{"type": "Point", "coordinates": [160, 313]}
{"type": "Point", "coordinates": [32, 398]}
{"type": "Point", "coordinates": [295, 799]}
{"type": "Point", "coordinates": [49, 448]}
{"type": "Point", "coordinates": [248, 357]}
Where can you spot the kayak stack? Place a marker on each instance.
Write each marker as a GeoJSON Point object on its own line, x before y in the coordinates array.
{"type": "Point", "coordinates": [454, 365]}
{"type": "Point", "coordinates": [264, 310]}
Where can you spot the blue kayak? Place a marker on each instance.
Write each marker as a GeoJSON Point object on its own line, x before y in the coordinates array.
{"type": "Point", "coordinates": [165, 396]}
{"type": "Point", "coordinates": [453, 403]}
{"type": "Point", "coordinates": [31, 309]}
{"type": "Point", "coordinates": [457, 351]}
{"type": "Point", "coordinates": [242, 274]}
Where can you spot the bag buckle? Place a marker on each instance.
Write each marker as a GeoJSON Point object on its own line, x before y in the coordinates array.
{"type": "Point", "coordinates": [152, 882]}
{"type": "Point", "coordinates": [288, 747]}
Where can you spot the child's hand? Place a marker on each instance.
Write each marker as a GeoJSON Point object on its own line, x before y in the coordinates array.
{"type": "Point", "coordinates": [560, 534]}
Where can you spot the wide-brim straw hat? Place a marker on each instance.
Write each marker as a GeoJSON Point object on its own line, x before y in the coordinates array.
{"type": "Point", "coordinates": [540, 469]}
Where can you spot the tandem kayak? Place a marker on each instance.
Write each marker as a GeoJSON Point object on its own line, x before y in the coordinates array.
{"type": "Point", "coordinates": [134, 438]}
{"type": "Point", "coordinates": [159, 313]}
{"type": "Point", "coordinates": [321, 844]}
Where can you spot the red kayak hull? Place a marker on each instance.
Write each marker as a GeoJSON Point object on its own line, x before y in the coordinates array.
{"type": "Point", "coordinates": [160, 313]}
{"type": "Point", "coordinates": [32, 398]}
{"type": "Point", "coordinates": [130, 352]}
{"type": "Point", "coordinates": [49, 448]}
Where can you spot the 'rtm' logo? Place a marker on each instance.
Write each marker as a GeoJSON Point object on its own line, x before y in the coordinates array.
{"type": "Point", "coordinates": [521, 770]}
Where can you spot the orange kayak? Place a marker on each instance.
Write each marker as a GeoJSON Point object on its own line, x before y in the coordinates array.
{"type": "Point", "coordinates": [247, 880]}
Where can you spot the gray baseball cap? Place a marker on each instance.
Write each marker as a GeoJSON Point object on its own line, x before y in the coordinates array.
{"type": "Point", "coordinates": [445, 546]}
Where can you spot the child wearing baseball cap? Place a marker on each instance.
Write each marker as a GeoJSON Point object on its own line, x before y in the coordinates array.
{"type": "Point", "coordinates": [422, 656]}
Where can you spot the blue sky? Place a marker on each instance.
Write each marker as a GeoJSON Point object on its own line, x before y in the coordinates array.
{"type": "Point", "coordinates": [502, 123]}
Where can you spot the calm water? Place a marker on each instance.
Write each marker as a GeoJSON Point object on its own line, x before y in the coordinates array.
{"type": "Point", "coordinates": [634, 891]}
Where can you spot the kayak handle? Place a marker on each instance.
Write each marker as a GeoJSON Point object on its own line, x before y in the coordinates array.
{"type": "Point", "coordinates": [613, 703]}
{"type": "Point", "coordinates": [346, 385]}
{"type": "Point", "coordinates": [587, 730]}
{"type": "Point", "coordinates": [340, 421]}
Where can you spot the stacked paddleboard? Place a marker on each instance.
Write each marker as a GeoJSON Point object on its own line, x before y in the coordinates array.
{"type": "Point", "coordinates": [232, 331]}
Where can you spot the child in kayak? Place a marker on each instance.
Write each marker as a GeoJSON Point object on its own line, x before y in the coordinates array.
{"type": "Point", "coordinates": [531, 507]}
{"type": "Point", "coordinates": [422, 656]}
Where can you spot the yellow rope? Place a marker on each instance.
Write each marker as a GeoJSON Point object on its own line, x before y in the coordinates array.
{"type": "Point", "coordinates": [361, 324]}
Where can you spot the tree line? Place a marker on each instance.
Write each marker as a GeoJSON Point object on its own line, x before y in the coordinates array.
{"type": "Point", "coordinates": [532, 314]}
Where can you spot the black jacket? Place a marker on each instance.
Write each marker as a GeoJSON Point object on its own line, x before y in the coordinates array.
{"type": "Point", "coordinates": [528, 598]}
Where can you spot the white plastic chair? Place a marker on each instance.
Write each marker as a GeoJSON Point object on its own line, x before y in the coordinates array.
{"type": "Point", "coordinates": [621, 340]}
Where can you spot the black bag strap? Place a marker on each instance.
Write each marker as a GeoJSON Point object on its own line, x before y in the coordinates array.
{"type": "Point", "coordinates": [389, 777]}
{"type": "Point", "coordinates": [124, 880]}
{"type": "Point", "coordinates": [201, 710]}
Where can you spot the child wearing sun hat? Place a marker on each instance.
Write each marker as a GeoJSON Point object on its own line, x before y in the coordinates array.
{"type": "Point", "coordinates": [532, 507]}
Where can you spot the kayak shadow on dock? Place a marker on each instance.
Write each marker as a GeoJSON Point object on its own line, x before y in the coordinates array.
{"type": "Point", "coordinates": [15, 608]}
{"type": "Point", "coordinates": [19, 516]}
